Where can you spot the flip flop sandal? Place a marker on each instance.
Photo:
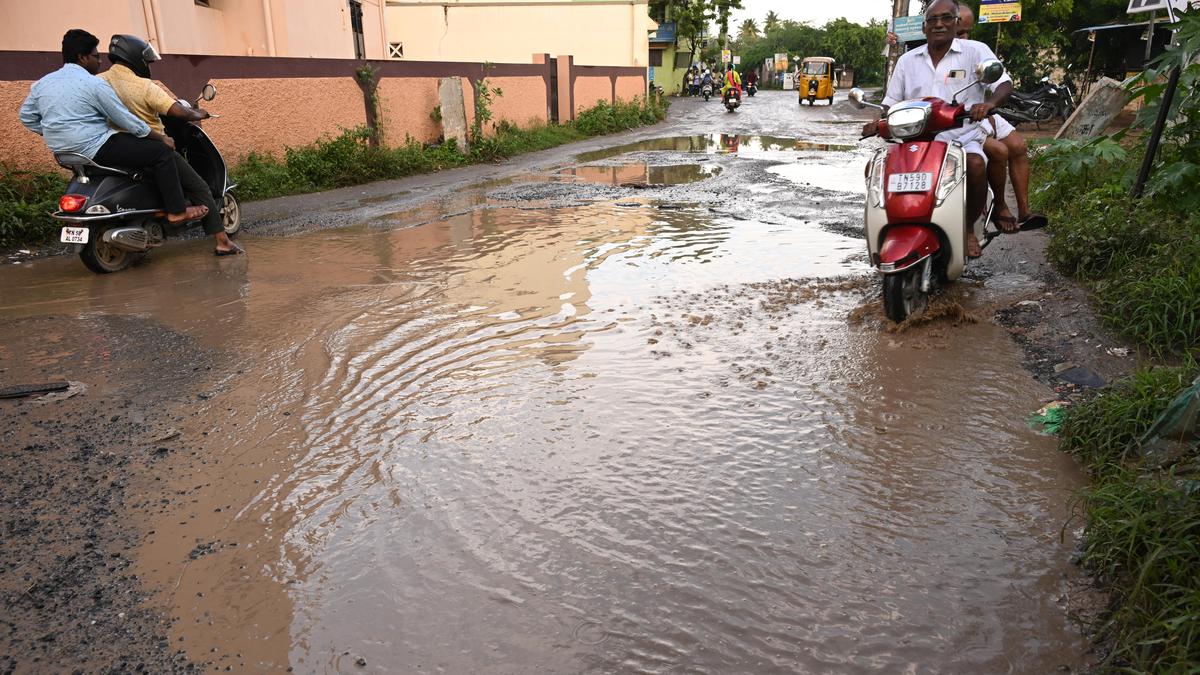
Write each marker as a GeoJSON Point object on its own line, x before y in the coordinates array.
{"type": "Point", "coordinates": [191, 214]}
{"type": "Point", "coordinates": [1034, 221]}
{"type": "Point", "coordinates": [236, 250]}
{"type": "Point", "coordinates": [1001, 221]}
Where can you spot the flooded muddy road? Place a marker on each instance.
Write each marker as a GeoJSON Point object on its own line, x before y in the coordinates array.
{"type": "Point", "coordinates": [621, 407]}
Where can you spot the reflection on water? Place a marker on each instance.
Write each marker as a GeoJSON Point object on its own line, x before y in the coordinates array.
{"type": "Point", "coordinates": [588, 439]}
{"type": "Point", "coordinates": [714, 144]}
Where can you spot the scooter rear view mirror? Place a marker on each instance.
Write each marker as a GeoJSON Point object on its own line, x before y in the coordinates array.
{"type": "Point", "coordinates": [990, 71]}
{"type": "Point", "coordinates": [209, 92]}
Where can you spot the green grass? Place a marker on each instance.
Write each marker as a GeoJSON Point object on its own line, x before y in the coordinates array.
{"type": "Point", "coordinates": [26, 201]}
{"type": "Point", "coordinates": [1140, 258]}
{"type": "Point", "coordinates": [1142, 539]}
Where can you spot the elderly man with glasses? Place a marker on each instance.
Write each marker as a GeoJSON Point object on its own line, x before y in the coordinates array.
{"type": "Point", "coordinates": [942, 67]}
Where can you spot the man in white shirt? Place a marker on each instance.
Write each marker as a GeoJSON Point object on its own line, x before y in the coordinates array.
{"type": "Point", "coordinates": [942, 67]}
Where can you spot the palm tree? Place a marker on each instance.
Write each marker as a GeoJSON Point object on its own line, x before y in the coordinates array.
{"type": "Point", "coordinates": [771, 22]}
{"type": "Point", "coordinates": [748, 31]}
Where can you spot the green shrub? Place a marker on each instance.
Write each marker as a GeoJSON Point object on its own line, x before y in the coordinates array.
{"type": "Point", "coordinates": [1156, 300]}
{"type": "Point", "coordinates": [26, 201]}
{"type": "Point", "coordinates": [1097, 233]}
{"type": "Point", "coordinates": [1101, 430]}
{"type": "Point", "coordinates": [1143, 542]}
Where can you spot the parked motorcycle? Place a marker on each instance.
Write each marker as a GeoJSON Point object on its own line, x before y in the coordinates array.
{"type": "Point", "coordinates": [114, 215]}
{"type": "Point", "coordinates": [916, 205]}
{"type": "Point", "coordinates": [1047, 102]}
{"type": "Point", "coordinates": [732, 99]}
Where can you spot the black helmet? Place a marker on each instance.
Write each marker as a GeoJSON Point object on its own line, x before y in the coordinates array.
{"type": "Point", "coordinates": [134, 52]}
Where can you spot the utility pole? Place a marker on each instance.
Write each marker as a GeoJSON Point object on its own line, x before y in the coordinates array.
{"type": "Point", "coordinates": [899, 9]}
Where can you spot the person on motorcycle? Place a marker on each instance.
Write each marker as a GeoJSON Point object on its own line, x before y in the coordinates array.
{"type": "Point", "coordinates": [75, 111]}
{"type": "Point", "coordinates": [707, 78]}
{"type": "Point", "coordinates": [752, 78]}
{"type": "Point", "coordinates": [1005, 147]}
{"type": "Point", "coordinates": [941, 67]}
{"type": "Point", "coordinates": [733, 81]}
{"type": "Point", "coordinates": [129, 77]}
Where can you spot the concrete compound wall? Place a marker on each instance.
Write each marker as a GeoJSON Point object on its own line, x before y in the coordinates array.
{"type": "Point", "coordinates": [269, 104]}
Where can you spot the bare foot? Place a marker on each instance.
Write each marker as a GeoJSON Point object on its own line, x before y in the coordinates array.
{"type": "Point", "coordinates": [974, 250]}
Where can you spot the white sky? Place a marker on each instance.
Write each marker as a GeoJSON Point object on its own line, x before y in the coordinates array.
{"type": "Point", "coordinates": [816, 12]}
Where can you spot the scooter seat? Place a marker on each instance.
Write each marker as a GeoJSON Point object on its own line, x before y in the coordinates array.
{"type": "Point", "coordinates": [73, 161]}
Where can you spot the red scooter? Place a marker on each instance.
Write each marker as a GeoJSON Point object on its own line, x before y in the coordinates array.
{"type": "Point", "coordinates": [916, 210]}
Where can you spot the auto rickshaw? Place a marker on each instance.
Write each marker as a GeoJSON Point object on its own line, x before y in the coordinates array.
{"type": "Point", "coordinates": [816, 80]}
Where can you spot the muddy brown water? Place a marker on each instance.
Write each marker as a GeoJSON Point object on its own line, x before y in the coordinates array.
{"type": "Point", "coordinates": [596, 439]}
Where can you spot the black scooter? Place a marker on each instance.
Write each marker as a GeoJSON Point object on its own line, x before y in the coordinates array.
{"type": "Point", "coordinates": [751, 89]}
{"type": "Point", "coordinates": [1044, 104]}
{"type": "Point", "coordinates": [114, 215]}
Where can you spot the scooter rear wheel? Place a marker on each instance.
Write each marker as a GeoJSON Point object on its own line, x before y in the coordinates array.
{"type": "Point", "coordinates": [103, 258]}
{"type": "Point", "coordinates": [231, 215]}
{"type": "Point", "coordinates": [902, 294]}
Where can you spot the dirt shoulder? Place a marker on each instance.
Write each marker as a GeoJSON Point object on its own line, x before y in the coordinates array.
{"type": "Point", "coordinates": [70, 600]}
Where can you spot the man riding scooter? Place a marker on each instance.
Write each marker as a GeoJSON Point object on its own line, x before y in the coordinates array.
{"type": "Point", "coordinates": [1006, 148]}
{"type": "Point", "coordinates": [74, 111]}
{"type": "Point", "coordinates": [129, 77]}
{"type": "Point", "coordinates": [942, 67]}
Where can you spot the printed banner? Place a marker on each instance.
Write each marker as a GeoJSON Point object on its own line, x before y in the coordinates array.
{"type": "Point", "coordinates": [781, 62]}
{"type": "Point", "coordinates": [997, 11]}
{"type": "Point", "coordinates": [726, 56]}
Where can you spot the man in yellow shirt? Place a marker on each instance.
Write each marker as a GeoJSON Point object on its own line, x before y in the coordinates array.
{"type": "Point", "coordinates": [129, 77]}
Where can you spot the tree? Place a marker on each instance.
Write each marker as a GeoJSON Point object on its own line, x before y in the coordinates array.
{"type": "Point", "coordinates": [721, 9]}
{"type": "Point", "coordinates": [770, 23]}
{"type": "Point", "coordinates": [748, 31]}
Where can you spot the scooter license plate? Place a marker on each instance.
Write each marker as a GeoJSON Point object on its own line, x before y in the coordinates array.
{"type": "Point", "coordinates": [910, 182]}
{"type": "Point", "coordinates": [74, 235]}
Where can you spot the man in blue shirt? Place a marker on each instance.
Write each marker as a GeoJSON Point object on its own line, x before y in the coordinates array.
{"type": "Point", "coordinates": [71, 109]}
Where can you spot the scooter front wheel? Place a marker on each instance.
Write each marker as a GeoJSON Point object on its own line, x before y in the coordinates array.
{"type": "Point", "coordinates": [902, 294]}
{"type": "Point", "coordinates": [103, 258]}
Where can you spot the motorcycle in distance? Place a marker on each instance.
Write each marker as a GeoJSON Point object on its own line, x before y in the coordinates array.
{"type": "Point", "coordinates": [1048, 102]}
{"type": "Point", "coordinates": [732, 99]}
{"type": "Point", "coordinates": [812, 91]}
{"type": "Point", "coordinates": [916, 204]}
{"type": "Point", "coordinates": [706, 90]}
{"type": "Point", "coordinates": [113, 216]}
{"type": "Point", "coordinates": [751, 89]}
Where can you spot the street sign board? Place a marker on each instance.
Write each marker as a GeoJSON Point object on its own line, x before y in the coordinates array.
{"type": "Point", "coordinates": [737, 60]}
{"type": "Point", "coordinates": [1000, 11]}
{"type": "Point", "coordinates": [909, 28]}
{"type": "Point", "coordinates": [1173, 8]}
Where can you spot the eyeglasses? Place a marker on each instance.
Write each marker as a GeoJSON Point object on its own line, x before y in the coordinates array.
{"type": "Point", "coordinates": [941, 18]}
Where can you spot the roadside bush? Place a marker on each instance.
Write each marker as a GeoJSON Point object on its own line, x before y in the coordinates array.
{"type": "Point", "coordinates": [1142, 537]}
{"type": "Point", "coordinates": [1156, 299]}
{"type": "Point", "coordinates": [26, 202]}
{"type": "Point", "coordinates": [1143, 542]}
{"type": "Point", "coordinates": [1097, 234]}
{"type": "Point", "coordinates": [1101, 430]}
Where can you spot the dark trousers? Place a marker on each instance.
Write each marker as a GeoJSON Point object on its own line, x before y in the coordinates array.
{"type": "Point", "coordinates": [199, 194]}
{"type": "Point", "coordinates": [149, 157]}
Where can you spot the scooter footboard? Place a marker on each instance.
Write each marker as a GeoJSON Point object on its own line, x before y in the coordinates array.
{"type": "Point", "coordinates": [906, 245]}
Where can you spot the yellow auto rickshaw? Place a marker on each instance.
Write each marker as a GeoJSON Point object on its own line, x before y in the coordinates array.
{"type": "Point", "coordinates": [816, 80]}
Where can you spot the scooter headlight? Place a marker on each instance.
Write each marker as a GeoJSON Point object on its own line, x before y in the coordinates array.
{"type": "Point", "coordinates": [875, 179]}
{"type": "Point", "coordinates": [908, 120]}
{"type": "Point", "coordinates": [952, 174]}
